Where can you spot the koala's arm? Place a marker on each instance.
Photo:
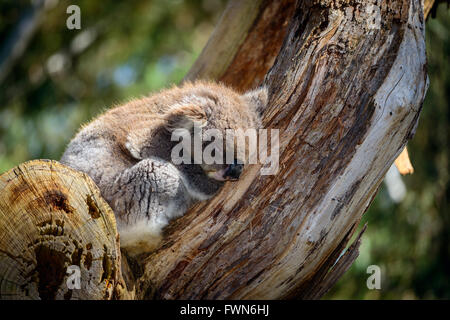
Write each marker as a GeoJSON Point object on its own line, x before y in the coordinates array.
{"type": "Point", "coordinates": [145, 198]}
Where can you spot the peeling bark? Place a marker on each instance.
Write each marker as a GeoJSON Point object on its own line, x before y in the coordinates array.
{"type": "Point", "coordinates": [403, 163]}
{"type": "Point", "coordinates": [346, 97]}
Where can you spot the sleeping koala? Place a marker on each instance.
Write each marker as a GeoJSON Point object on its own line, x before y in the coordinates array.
{"type": "Point", "coordinates": [127, 152]}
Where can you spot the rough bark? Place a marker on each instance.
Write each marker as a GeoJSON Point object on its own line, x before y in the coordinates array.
{"type": "Point", "coordinates": [403, 163]}
{"type": "Point", "coordinates": [346, 97]}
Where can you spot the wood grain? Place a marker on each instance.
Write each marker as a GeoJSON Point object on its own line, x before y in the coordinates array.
{"type": "Point", "coordinates": [53, 217]}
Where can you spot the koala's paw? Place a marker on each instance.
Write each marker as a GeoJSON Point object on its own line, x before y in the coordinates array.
{"type": "Point", "coordinates": [144, 199]}
{"type": "Point", "coordinates": [145, 191]}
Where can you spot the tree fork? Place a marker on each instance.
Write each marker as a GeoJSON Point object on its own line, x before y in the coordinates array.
{"type": "Point", "coordinates": [346, 96]}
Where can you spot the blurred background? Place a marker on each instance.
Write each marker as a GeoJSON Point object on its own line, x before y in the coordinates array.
{"type": "Point", "coordinates": [53, 79]}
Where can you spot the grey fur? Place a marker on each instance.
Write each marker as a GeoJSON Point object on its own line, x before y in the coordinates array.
{"type": "Point", "coordinates": [126, 151]}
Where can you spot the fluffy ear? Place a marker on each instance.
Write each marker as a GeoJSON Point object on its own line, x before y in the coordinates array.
{"type": "Point", "coordinates": [185, 117]}
{"type": "Point", "coordinates": [257, 98]}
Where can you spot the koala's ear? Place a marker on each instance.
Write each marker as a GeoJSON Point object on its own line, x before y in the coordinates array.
{"type": "Point", "coordinates": [185, 116]}
{"type": "Point", "coordinates": [257, 98]}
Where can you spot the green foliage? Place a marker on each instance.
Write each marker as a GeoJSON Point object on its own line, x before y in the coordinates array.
{"type": "Point", "coordinates": [124, 49]}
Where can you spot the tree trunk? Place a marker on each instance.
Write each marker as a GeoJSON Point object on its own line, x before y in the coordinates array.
{"type": "Point", "coordinates": [346, 82]}
{"type": "Point", "coordinates": [53, 217]}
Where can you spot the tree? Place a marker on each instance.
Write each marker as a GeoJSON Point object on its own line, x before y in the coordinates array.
{"type": "Point", "coordinates": [346, 82]}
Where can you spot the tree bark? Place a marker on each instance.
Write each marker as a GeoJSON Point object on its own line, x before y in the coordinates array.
{"type": "Point", "coordinates": [403, 163]}
{"type": "Point", "coordinates": [346, 84]}
{"type": "Point", "coordinates": [346, 97]}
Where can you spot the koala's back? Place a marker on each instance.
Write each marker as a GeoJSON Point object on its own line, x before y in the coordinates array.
{"type": "Point", "coordinates": [100, 147]}
{"type": "Point", "coordinates": [96, 154]}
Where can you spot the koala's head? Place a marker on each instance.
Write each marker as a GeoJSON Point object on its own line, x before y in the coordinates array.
{"type": "Point", "coordinates": [222, 117]}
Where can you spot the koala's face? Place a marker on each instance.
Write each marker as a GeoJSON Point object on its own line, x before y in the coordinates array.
{"type": "Point", "coordinates": [221, 118]}
{"type": "Point", "coordinates": [216, 165]}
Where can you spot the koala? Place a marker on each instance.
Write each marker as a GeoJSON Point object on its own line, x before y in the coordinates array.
{"type": "Point", "coordinates": [127, 152]}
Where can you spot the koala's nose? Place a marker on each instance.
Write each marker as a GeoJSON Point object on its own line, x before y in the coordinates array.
{"type": "Point", "coordinates": [234, 171]}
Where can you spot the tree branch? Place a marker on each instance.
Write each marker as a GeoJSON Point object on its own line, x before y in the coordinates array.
{"type": "Point", "coordinates": [340, 94]}
{"type": "Point", "coordinates": [346, 82]}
